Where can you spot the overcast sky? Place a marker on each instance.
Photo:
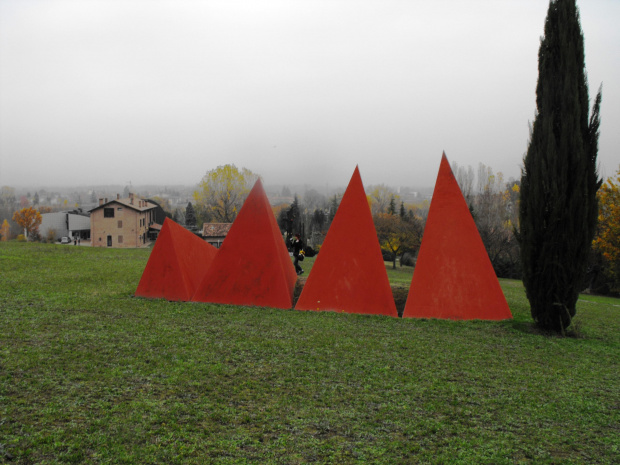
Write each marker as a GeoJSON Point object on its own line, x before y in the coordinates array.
{"type": "Point", "coordinates": [107, 92]}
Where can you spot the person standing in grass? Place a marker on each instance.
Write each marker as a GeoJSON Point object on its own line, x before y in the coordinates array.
{"type": "Point", "coordinates": [298, 246]}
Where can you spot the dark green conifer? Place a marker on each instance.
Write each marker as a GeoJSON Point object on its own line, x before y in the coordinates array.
{"type": "Point", "coordinates": [559, 180]}
{"type": "Point", "coordinates": [190, 216]}
{"type": "Point", "coordinates": [334, 202]}
{"type": "Point", "coordinates": [392, 207]}
{"type": "Point", "coordinates": [292, 221]}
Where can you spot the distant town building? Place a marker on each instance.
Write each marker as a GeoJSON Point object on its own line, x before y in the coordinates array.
{"type": "Point", "coordinates": [123, 223]}
{"type": "Point", "coordinates": [72, 224]}
{"type": "Point", "coordinates": [215, 233]}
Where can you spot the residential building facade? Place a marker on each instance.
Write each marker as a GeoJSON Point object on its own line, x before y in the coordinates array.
{"type": "Point", "coordinates": [123, 223]}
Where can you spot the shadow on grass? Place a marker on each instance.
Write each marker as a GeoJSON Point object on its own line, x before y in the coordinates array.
{"type": "Point", "coordinates": [574, 331]}
{"type": "Point", "coordinates": [400, 295]}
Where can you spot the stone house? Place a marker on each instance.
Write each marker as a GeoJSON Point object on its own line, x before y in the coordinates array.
{"type": "Point", "coordinates": [123, 223]}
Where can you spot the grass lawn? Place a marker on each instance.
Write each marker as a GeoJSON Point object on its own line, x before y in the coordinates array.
{"type": "Point", "coordinates": [399, 277]}
{"type": "Point", "coordinates": [90, 374]}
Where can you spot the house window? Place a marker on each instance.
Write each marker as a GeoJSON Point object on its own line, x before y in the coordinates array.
{"type": "Point", "coordinates": [108, 213]}
{"type": "Point", "coordinates": [120, 239]}
{"type": "Point", "coordinates": [120, 223]}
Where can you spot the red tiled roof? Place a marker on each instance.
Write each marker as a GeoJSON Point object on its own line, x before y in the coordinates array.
{"type": "Point", "coordinates": [127, 202]}
{"type": "Point", "coordinates": [215, 229]}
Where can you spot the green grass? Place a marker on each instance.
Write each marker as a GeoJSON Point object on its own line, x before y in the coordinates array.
{"type": "Point", "coordinates": [399, 277]}
{"type": "Point", "coordinates": [90, 374]}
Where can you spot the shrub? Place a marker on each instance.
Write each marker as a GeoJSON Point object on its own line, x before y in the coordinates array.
{"type": "Point", "coordinates": [5, 231]}
{"type": "Point", "coordinates": [387, 255]}
{"type": "Point", "coordinates": [21, 238]}
{"type": "Point", "coordinates": [507, 267]}
{"type": "Point", "coordinates": [50, 237]}
{"type": "Point", "coordinates": [310, 252]}
{"type": "Point", "coordinates": [407, 259]}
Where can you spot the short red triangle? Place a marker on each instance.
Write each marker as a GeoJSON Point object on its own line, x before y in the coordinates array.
{"type": "Point", "coordinates": [453, 276]}
{"type": "Point", "coordinates": [349, 274]}
{"type": "Point", "coordinates": [176, 265]}
{"type": "Point", "coordinates": [253, 266]}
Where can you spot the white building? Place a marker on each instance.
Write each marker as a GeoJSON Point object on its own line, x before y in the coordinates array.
{"type": "Point", "coordinates": [75, 223]}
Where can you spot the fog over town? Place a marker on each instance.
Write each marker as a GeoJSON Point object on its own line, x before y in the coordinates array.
{"type": "Point", "coordinates": [158, 93]}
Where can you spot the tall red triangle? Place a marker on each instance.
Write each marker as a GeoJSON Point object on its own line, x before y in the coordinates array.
{"type": "Point", "coordinates": [253, 266]}
{"type": "Point", "coordinates": [349, 274]}
{"type": "Point", "coordinates": [176, 265]}
{"type": "Point", "coordinates": [453, 277]}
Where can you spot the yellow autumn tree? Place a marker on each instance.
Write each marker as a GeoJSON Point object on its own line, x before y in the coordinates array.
{"type": "Point", "coordinates": [397, 235]}
{"type": "Point", "coordinates": [221, 193]}
{"type": "Point", "coordinates": [607, 239]}
{"type": "Point", "coordinates": [5, 231]}
{"type": "Point", "coordinates": [379, 198]}
{"type": "Point", "coordinates": [29, 219]}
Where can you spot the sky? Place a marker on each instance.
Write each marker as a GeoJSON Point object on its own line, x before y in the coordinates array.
{"type": "Point", "coordinates": [160, 92]}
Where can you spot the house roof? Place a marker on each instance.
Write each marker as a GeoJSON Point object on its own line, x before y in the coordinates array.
{"type": "Point", "coordinates": [135, 203]}
{"type": "Point", "coordinates": [78, 222]}
{"type": "Point", "coordinates": [215, 229]}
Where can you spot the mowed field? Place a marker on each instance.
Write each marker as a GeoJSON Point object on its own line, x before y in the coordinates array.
{"type": "Point", "coordinates": [91, 374]}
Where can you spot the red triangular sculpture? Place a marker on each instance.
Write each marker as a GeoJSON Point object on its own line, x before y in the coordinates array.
{"type": "Point", "coordinates": [253, 266]}
{"type": "Point", "coordinates": [177, 263]}
{"type": "Point", "coordinates": [453, 277]}
{"type": "Point", "coordinates": [349, 274]}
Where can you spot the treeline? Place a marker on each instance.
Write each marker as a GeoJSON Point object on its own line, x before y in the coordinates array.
{"type": "Point", "coordinates": [41, 200]}
{"type": "Point", "coordinates": [492, 201]}
{"type": "Point", "coordinates": [494, 205]}
{"type": "Point", "coordinates": [399, 226]}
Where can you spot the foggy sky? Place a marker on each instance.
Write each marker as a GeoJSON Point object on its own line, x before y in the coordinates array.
{"type": "Point", "coordinates": [160, 92]}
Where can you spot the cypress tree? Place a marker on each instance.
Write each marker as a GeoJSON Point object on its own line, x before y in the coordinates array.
{"type": "Point", "coordinates": [294, 218]}
{"type": "Point", "coordinates": [190, 216]}
{"type": "Point", "coordinates": [559, 180]}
